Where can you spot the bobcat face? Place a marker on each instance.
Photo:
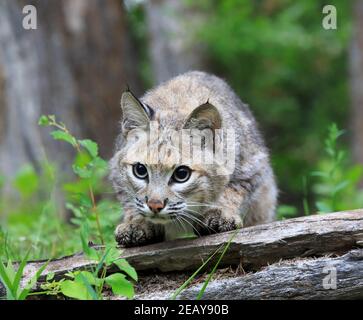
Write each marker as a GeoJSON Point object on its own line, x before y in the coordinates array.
{"type": "Point", "coordinates": [153, 173]}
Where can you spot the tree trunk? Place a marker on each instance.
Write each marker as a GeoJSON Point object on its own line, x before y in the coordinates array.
{"type": "Point", "coordinates": [72, 65]}
{"type": "Point", "coordinates": [356, 76]}
{"type": "Point", "coordinates": [173, 47]}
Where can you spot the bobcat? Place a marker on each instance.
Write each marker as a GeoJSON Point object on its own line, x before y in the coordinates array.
{"type": "Point", "coordinates": [163, 194]}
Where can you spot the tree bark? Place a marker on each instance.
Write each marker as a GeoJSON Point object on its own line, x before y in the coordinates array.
{"type": "Point", "coordinates": [174, 49]}
{"type": "Point", "coordinates": [72, 65]}
{"type": "Point", "coordinates": [299, 279]}
{"type": "Point", "coordinates": [356, 79]}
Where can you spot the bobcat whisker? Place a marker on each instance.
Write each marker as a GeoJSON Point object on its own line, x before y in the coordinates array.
{"type": "Point", "coordinates": [198, 221]}
{"type": "Point", "coordinates": [184, 219]}
{"type": "Point", "coordinates": [182, 224]}
{"type": "Point", "coordinates": [190, 213]}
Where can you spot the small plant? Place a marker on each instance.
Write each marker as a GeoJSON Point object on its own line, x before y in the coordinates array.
{"type": "Point", "coordinates": [11, 276]}
{"type": "Point", "coordinates": [87, 164]}
{"type": "Point", "coordinates": [86, 285]}
{"type": "Point", "coordinates": [90, 168]}
{"type": "Point", "coordinates": [336, 182]}
{"type": "Point", "coordinates": [334, 185]}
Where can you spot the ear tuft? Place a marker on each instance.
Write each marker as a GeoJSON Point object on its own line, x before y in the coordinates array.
{"type": "Point", "coordinates": [206, 116]}
{"type": "Point", "coordinates": [134, 114]}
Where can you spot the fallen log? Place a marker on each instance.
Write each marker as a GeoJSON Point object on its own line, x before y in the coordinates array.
{"type": "Point", "coordinates": [321, 278]}
{"type": "Point", "coordinates": [251, 248]}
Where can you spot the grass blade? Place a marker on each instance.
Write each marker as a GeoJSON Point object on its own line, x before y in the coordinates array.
{"type": "Point", "coordinates": [206, 282]}
{"type": "Point", "coordinates": [19, 273]}
{"type": "Point", "coordinates": [185, 284]}
{"type": "Point", "coordinates": [6, 281]}
{"type": "Point", "coordinates": [90, 290]}
{"type": "Point", "coordinates": [31, 283]}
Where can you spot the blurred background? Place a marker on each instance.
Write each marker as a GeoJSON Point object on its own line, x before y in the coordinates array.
{"type": "Point", "coordinates": [303, 83]}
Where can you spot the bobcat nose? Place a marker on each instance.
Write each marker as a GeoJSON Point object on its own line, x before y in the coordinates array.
{"type": "Point", "coordinates": [156, 205]}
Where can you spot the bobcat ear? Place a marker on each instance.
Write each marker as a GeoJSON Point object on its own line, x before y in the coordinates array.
{"type": "Point", "coordinates": [134, 113]}
{"type": "Point", "coordinates": [206, 116]}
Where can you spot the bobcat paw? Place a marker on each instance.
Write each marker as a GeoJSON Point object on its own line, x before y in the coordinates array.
{"type": "Point", "coordinates": [217, 222]}
{"type": "Point", "coordinates": [131, 235]}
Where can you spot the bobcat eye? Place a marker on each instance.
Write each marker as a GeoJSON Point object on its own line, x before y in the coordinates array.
{"type": "Point", "coordinates": [139, 170]}
{"type": "Point", "coordinates": [181, 174]}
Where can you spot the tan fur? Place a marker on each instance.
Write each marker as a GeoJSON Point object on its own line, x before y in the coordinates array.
{"type": "Point", "coordinates": [246, 196]}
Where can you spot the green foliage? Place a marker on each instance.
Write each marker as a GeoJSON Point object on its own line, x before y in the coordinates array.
{"type": "Point", "coordinates": [85, 285]}
{"type": "Point", "coordinates": [33, 218]}
{"type": "Point", "coordinates": [36, 219]}
{"type": "Point", "coordinates": [81, 194]}
{"type": "Point", "coordinates": [11, 276]}
{"type": "Point", "coordinates": [335, 183]}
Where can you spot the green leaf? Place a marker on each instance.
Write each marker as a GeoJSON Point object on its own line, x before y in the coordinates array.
{"type": "Point", "coordinates": [126, 267]}
{"type": "Point", "coordinates": [99, 164]}
{"type": "Point", "coordinates": [19, 273]}
{"type": "Point", "coordinates": [75, 289]}
{"type": "Point", "coordinates": [113, 254]}
{"type": "Point", "coordinates": [91, 147]}
{"type": "Point", "coordinates": [103, 259]}
{"type": "Point", "coordinates": [84, 200]}
{"type": "Point", "coordinates": [50, 276]}
{"type": "Point", "coordinates": [7, 282]}
{"type": "Point", "coordinates": [88, 279]}
{"type": "Point", "coordinates": [32, 281]}
{"type": "Point", "coordinates": [319, 174]}
{"type": "Point", "coordinates": [61, 135]}
{"type": "Point", "coordinates": [83, 173]}
{"type": "Point", "coordinates": [120, 286]}
{"type": "Point", "coordinates": [52, 117]}
{"type": "Point", "coordinates": [43, 121]}
{"type": "Point", "coordinates": [340, 186]}
{"type": "Point", "coordinates": [75, 210]}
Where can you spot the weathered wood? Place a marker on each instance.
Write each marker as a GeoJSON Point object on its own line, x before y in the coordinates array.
{"type": "Point", "coordinates": [252, 247]}
{"type": "Point", "coordinates": [298, 279]}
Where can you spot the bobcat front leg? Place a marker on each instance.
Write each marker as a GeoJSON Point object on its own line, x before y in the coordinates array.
{"type": "Point", "coordinates": [137, 231]}
{"type": "Point", "coordinates": [226, 214]}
